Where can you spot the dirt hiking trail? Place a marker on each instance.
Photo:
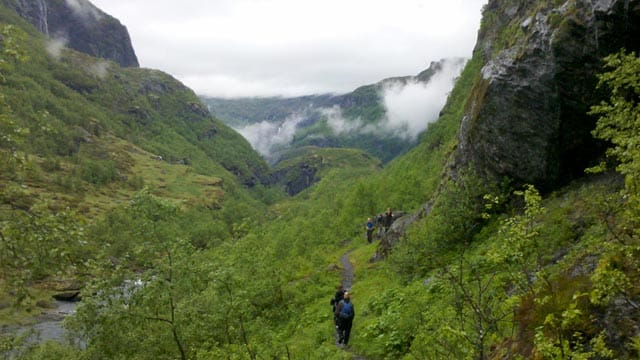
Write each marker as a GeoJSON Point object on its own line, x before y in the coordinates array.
{"type": "Point", "coordinates": [348, 277]}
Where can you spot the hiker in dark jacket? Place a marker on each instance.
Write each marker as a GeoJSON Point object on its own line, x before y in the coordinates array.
{"type": "Point", "coordinates": [388, 219]}
{"type": "Point", "coordinates": [335, 300]}
{"type": "Point", "coordinates": [380, 224]}
{"type": "Point", "coordinates": [345, 312]}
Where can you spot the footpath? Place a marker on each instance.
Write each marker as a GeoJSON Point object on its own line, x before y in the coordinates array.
{"type": "Point", "coordinates": [348, 277]}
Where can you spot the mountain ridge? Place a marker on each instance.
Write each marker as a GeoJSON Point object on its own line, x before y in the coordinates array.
{"type": "Point", "coordinates": [357, 119]}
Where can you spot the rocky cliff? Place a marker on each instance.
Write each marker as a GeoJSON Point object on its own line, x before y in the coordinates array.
{"type": "Point", "coordinates": [527, 117]}
{"type": "Point", "coordinates": [81, 25]}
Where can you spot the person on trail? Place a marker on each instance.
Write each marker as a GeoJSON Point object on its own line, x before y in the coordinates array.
{"type": "Point", "coordinates": [380, 223]}
{"type": "Point", "coordinates": [369, 227]}
{"type": "Point", "coordinates": [345, 312]}
{"type": "Point", "coordinates": [388, 219]}
{"type": "Point", "coordinates": [337, 297]}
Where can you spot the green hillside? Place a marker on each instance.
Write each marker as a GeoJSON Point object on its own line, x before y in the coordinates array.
{"type": "Point", "coordinates": [182, 249]}
{"type": "Point", "coordinates": [83, 137]}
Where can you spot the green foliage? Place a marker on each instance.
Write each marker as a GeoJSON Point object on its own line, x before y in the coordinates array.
{"type": "Point", "coordinates": [485, 273]}
{"type": "Point", "coordinates": [619, 120]}
{"type": "Point", "coordinates": [98, 172]}
{"type": "Point", "coordinates": [616, 274]}
{"type": "Point", "coordinates": [37, 243]}
{"type": "Point", "coordinates": [454, 218]}
{"type": "Point", "coordinates": [50, 350]}
{"type": "Point", "coordinates": [10, 51]}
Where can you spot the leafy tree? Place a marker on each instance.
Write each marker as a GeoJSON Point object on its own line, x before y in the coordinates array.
{"type": "Point", "coordinates": [142, 301]}
{"type": "Point", "coordinates": [619, 120]}
{"type": "Point", "coordinates": [619, 123]}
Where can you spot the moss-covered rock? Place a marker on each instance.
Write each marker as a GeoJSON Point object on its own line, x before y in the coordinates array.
{"type": "Point", "coordinates": [530, 120]}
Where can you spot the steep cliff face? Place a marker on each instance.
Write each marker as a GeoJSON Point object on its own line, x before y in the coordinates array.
{"type": "Point", "coordinates": [81, 25]}
{"type": "Point", "coordinates": [527, 117]}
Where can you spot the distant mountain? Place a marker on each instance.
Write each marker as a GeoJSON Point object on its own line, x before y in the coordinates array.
{"type": "Point", "coordinates": [364, 119]}
{"type": "Point", "coordinates": [79, 25]}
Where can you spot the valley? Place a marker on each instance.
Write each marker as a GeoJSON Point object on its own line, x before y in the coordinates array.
{"type": "Point", "coordinates": [516, 200]}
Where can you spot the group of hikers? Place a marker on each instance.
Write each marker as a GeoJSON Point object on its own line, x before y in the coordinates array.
{"type": "Point", "coordinates": [343, 310]}
{"type": "Point", "coordinates": [343, 314]}
{"type": "Point", "coordinates": [383, 221]}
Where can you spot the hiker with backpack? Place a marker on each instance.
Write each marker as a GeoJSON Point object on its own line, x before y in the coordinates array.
{"type": "Point", "coordinates": [369, 228]}
{"type": "Point", "coordinates": [345, 313]}
{"type": "Point", "coordinates": [335, 300]}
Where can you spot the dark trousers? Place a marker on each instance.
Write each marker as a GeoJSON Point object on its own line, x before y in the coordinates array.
{"type": "Point", "coordinates": [344, 331]}
{"type": "Point", "coordinates": [369, 235]}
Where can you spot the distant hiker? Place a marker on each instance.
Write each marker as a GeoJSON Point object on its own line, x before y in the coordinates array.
{"type": "Point", "coordinates": [380, 223]}
{"type": "Point", "coordinates": [369, 227]}
{"type": "Point", "coordinates": [345, 313]}
{"type": "Point", "coordinates": [388, 219]}
{"type": "Point", "coordinates": [337, 297]}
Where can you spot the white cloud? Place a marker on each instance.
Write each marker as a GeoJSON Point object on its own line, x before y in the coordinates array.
{"type": "Point", "coordinates": [412, 106]}
{"type": "Point", "coordinates": [99, 69]}
{"type": "Point", "coordinates": [338, 123]}
{"type": "Point", "coordinates": [55, 47]}
{"type": "Point", "coordinates": [292, 47]}
{"type": "Point", "coordinates": [267, 137]}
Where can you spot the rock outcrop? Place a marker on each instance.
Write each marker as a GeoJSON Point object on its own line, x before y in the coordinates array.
{"type": "Point", "coordinates": [81, 26]}
{"type": "Point", "coordinates": [527, 118]}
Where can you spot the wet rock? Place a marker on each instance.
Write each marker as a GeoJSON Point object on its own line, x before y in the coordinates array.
{"type": "Point", "coordinates": [85, 27]}
{"type": "Point", "coordinates": [44, 304]}
{"type": "Point", "coordinates": [527, 118]}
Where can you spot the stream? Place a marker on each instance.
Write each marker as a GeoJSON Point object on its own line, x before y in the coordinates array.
{"type": "Point", "coordinates": [48, 325]}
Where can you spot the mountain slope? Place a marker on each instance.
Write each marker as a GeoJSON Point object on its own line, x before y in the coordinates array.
{"type": "Point", "coordinates": [78, 94]}
{"type": "Point", "coordinates": [367, 118]}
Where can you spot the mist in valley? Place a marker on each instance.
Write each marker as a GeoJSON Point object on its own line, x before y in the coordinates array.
{"type": "Point", "coordinates": [410, 105]}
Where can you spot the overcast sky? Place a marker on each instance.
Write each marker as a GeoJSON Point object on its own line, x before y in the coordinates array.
{"type": "Point", "coordinates": [233, 48]}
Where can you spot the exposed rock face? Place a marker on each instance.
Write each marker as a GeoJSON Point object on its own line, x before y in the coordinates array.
{"type": "Point", "coordinates": [528, 115]}
{"type": "Point", "coordinates": [298, 177]}
{"type": "Point", "coordinates": [81, 25]}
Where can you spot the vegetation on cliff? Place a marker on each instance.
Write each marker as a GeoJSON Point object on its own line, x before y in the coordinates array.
{"type": "Point", "coordinates": [125, 183]}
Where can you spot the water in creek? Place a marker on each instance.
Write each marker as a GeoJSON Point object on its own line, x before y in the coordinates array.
{"type": "Point", "coordinates": [48, 325]}
{"type": "Point", "coordinates": [51, 327]}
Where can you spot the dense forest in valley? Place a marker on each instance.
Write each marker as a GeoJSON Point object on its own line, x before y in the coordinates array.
{"type": "Point", "coordinates": [508, 243]}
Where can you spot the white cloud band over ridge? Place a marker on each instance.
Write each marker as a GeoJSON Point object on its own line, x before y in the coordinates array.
{"type": "Point", "coordinates": [410, 107]}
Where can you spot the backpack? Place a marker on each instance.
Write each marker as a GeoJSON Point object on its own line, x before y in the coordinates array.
{"type": "Point", "coordinates": [347, 310]}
